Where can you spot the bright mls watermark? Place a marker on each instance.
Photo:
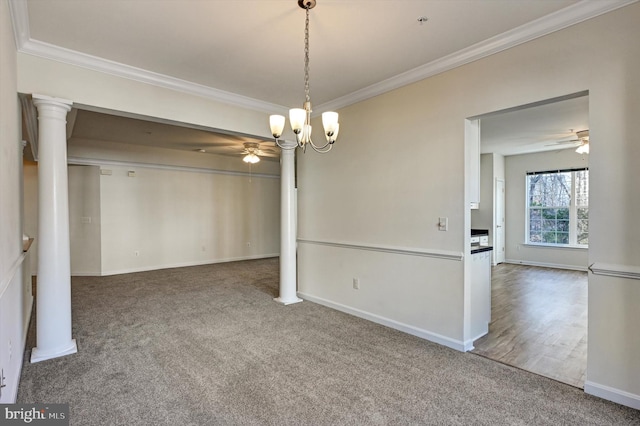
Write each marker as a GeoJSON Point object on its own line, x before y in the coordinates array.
{"type": "Point", "coordinates": [34, 414]}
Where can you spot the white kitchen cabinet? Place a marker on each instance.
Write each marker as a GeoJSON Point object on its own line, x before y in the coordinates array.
{"type": "Point", "coordinates": [472, 144]}
{"type": "Point", "coordinates": [480, 293]}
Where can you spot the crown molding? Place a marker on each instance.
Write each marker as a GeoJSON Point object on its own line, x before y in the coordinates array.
{"type": "Point", "coordinates": [571, 15]}
{"type": "Point", "coordinates": [20, 19]}
{"type": "Point", "coordinates": [25, 44]}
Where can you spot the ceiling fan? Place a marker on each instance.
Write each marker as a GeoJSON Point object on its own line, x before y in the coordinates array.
{"type": "Point", "coordinates": [581, 141]}
{"type": "Point", "coordinates": [251, 152]}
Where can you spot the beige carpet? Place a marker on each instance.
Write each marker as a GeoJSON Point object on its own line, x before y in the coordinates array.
{"type": "Point", "coordinates": [207, 345]}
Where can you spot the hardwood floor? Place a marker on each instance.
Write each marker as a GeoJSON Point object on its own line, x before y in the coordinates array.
{"type": "Point", "coordinates": [538, 321]}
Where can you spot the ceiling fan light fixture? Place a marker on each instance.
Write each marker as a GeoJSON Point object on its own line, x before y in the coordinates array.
{"type": "Point", "coordinates": [251, 149]}
{"type": "Point", "coordinates": [251, 158]}
{"type": "Point", "coordinates": [583, 136]}
{"type": "Point", "coordinates": [584, 148]}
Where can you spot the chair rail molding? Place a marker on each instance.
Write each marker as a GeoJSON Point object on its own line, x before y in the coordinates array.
{"type": "Point", "coordinates": [613, 270]}
{"type": "Point", "coordinates": [439, 254]}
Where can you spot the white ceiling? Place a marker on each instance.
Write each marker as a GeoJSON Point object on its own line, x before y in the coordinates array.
{"type": "Point", "coordinates": [253, 49]}
{"type": "Point", "coordinates": [545, 127]}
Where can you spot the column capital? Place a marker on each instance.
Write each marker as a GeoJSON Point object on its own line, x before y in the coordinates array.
{"type": "Point", "coordinates": [39, 100]}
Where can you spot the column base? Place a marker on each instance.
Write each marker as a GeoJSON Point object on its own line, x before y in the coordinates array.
{"type": "Point", "coordinates": [282, 301]}
{"type": "Point", "coordinates": [37, 355]}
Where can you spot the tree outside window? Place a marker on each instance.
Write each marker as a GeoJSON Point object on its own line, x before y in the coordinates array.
{"type": "Point", "coordinates": [558, 208]}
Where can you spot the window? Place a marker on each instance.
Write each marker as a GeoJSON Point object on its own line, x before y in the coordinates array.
{"type": "Point", "coordinates": [558, 207]}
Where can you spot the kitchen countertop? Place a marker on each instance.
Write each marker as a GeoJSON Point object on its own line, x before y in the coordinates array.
{"type": "Point", "coordinates": [480, 249]}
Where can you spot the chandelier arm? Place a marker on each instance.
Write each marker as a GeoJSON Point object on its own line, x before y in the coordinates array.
{"type": "Point", "coordinates": [323, 149]}
{"type": "Point", "coordinates": [288, 148]}
{"type": "Point", "coordinates": [316, 147]}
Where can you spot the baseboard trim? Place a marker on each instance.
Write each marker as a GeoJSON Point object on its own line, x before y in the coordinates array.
{"type": "Point", "coordinates": [546, 265]}
{"type": "Point", "coordinates": [612, 394]}
{"type": "Point", "coordinates": [173, 265]}
{"type": "Point", "coordinates": [414, 331]}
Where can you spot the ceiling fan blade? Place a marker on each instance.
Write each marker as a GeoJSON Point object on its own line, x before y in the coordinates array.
{"type": "Point", "coordinates": [572, 142]}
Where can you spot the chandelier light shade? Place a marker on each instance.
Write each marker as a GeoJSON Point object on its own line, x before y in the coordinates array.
{"type": "Point", "coordinates": [300, 118]}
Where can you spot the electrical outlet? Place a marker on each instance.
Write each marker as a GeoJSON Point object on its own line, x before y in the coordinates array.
{"type": "Point", "coordinates": [356, 283]}
{"type": "Point", "coordinates": [443, 224]}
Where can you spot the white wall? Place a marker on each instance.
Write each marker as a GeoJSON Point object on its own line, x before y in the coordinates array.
{"type": "Point", "coordinates": [84, 220]}
{"type": "Point", "coordinates": [169, 218]}
{"type": "Point", "coordinates": [172, 214]}
{"type": "Point", "coordinates": [399, 165]}
{"type": "Point", "coordinates": [517, 251]}
{"type": "Point", "coordinates": [15, 286]}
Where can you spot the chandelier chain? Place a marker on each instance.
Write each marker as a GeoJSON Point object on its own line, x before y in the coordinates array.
{"type": "Point", "coordinates": [306, 57]}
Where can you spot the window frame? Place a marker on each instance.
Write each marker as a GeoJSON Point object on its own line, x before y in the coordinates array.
{"type": "Point", "coordinates": [573, 210]}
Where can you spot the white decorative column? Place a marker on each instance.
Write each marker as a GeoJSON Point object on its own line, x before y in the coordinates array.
{"type": "Point", "coordinates": [287, 227]}
{"type": "Point", "coordinates": [53, 301]}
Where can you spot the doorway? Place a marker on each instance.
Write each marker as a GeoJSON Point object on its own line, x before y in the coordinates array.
{"type": "Point", "coordinates": [539, 289]}
{"type": "Point", "coordinates": [499, 247]}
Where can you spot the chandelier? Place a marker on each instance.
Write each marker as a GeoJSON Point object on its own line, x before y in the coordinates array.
{"type": "Point", "coordinates": [300, 118]}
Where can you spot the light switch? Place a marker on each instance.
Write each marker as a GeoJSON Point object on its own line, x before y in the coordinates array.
{"type": "Point", "coordinates": [443, 224]}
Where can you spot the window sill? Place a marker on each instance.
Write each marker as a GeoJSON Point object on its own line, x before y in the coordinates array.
{"type": "Point", "coordinates": [556, 246]}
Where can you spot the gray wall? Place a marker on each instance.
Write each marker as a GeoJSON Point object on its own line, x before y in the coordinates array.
{"type": "Point", "coordinates": [15, 288]}
{"type": "Point", "coordinates": [372, 204]}
{"type": "Point", "coordinates": [408, 145]}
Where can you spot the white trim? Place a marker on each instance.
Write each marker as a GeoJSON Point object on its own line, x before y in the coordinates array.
{"type": "Point", "coordinates": [11, 273]}
{"type": "Point", "coordinates": [546, 265]}
{"type": "Point", "coordinates": [555, 246]}
{"type": "Point", "coordinates": [571, 15]}
{"type": "Point", "coordinates": [38, 356]}
{"type": "Point", "coordinates": [175, 265]}
{"type": "Point", "coordinates": [97, 162]}
{"type": "Point", "coordinates": [20, 20]}
{"type": "Point", "coordinates": [612, 394]}
{"type": "Point", "coordinates": [6, 282]}
{"type": "Point", "coordinates": [439, 254]}
{"type": "Point", "coordinates": [620, 271]}
{"type": "Point", "coordinates": [414, 331]}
